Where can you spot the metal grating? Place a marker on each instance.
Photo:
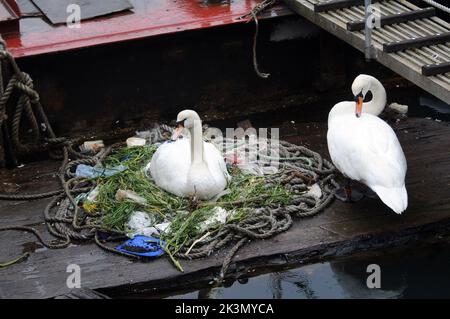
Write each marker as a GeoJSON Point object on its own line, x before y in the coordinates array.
{"type": "Point", "coordinates": [416, 47]}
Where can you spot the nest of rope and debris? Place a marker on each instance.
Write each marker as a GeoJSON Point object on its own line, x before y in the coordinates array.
{"type": "Point", "coordinates": [125, 201]}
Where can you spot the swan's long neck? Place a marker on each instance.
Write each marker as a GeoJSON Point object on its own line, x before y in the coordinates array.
{"type": "Point", "coordinates": [378, 102]}
{"type": "Point", "coordinates": [374, 106]}
{"type": "Point", "coordinates": [196, 143]}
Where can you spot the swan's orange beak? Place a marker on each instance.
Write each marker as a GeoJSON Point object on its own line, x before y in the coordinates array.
{"type": "Point", "coordinates": [177, 131]}
{"type": "Point", "coordinates": [359, 104]}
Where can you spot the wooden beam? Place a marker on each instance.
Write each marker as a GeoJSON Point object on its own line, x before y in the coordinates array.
{"type": "Point", "coordinates": [416, 43]}
{"type": "Point", "coordinates": [338, 4]}
{"type": "Point", "coordinates": [438, 68]}
{"type": "Point", "coordinates": [394, 18]}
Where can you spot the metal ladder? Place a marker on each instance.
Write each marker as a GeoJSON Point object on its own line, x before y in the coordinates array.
{"type": "Point", "coordinates": [409, 40]}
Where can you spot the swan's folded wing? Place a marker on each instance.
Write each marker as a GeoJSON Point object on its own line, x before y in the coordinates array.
{"type": "Point", "coordinates": [215, 156]}
{"type": "Point", "coordinates": [367, 149]}
{"type": "Point", "coordinates": [170, 165]}
{"type": "Point", "coordinates": [386, 154]}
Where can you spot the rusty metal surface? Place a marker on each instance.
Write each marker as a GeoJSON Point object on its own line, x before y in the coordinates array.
{"type": "Point", "coordinates": [56, 10]}
{"type": "Point", "coordinates": [149, 18]}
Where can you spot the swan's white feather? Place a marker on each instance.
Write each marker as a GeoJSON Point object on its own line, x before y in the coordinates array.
{"type": "Point", "coordinates": [171, 170]}
{"type": "Point", "coordinates": [366, 149]}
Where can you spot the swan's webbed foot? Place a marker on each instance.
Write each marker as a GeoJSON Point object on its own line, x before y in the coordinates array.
{"type": "Point", "coordinates": [370, 194]}
{"type": "Point", "coordinates": [348, 195]}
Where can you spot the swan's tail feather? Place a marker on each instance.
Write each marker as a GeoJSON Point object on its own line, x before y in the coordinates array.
{"type": "Point", "coordinates": [395, 197]}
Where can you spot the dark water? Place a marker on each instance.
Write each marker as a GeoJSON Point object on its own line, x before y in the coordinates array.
{"type": "Point", "coordinates": [415, 272]}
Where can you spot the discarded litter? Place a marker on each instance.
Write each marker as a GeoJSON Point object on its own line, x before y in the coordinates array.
{"type": "Point", "coordinates": [93, 172]}
{"type": "Point", "coordinates": [136, 141]}
{"type": "Point", "coordinates": [314, 191]}
{"type": "Point", "coordinates": [92, 146]}
{"type": "Point", "coordinates": [143, 246]}
{"type": "Point", "coordinates": [122, 195]}
{"type": "Point", "coordinates": [163, 227]}
{"type": "Point", "coordinates": [218, 216]}
{"type": "Point", "coordinates": [89, 203]}
{"type": "Point", "coordinates": [141, 223]}
{"type": "Point", "coordinates": [130, 203]}
{"type": "Point", "coordinates": [399, 108]}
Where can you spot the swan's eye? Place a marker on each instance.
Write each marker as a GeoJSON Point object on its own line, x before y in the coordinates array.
{"type": "Point", "coordinates": [180, 123]}
{"type": "Point", "coordinates": [360, 95]}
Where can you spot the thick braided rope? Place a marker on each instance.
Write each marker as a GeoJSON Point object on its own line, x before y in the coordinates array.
{"type": "Point", "coordinates": [299, 167]}
{"type": "Point", "coordinates": [261, 223]}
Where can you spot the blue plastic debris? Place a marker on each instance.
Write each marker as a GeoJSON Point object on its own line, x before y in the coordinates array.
{"type": "Point", "coordinates": [92, 172]}
{"type": "Point", "coordinates": [142, 246]}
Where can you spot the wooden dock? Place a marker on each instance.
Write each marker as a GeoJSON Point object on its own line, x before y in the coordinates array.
{"type": "Point", "coordinates": [340, 230]}
{"type": "Point", "coordinates": [409, 40]}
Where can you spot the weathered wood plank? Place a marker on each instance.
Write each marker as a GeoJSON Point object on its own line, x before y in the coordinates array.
{"type": "Point", "coordinates": [83, 293]}
{"type": "Point", "coordinates": [341, 229]}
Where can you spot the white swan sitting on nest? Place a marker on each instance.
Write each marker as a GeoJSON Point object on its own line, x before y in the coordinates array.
{"type": "Point", "coordinates": [365, 148]}
{"type": "Point", "coordinates": [189, 166]}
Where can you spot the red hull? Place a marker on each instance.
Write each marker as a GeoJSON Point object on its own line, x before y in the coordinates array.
{"type": "Point", "coordinates": [149, 18]}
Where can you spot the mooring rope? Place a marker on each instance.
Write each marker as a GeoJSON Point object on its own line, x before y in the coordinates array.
{"type": "Point", "coordinates": [61, 225]}
{"type": "Point", "coordinates": [254, 15]}
{"type": "Point", "coordinates": [67, 224]}
{"type": "Point", "coordinates": [299, 168]}
{"type": "Point", "coordinates": [266, 222]}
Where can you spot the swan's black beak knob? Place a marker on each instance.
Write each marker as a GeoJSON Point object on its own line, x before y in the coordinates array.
{"type": "Point", "coordinates": [178, 130]}
{"type": "Point", "coordinates": [359, 104]}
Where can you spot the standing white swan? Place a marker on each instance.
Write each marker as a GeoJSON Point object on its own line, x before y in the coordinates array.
{"type": "Point", "coordinates": [189, 166]}
{"type": "Point", "coordinates": [365, 148]}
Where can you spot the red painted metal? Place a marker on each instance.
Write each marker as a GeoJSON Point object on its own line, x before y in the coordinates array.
{"type": "Point", "coordinates": [149, 18]}
{"type": "Point", "coordinates": [9, 10]}
{"type": "Point", "coordinates": [9, 16]}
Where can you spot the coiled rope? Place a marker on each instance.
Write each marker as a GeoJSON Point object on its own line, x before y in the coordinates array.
{"type": "Point", "coordinates": [299, 168]}
{"type": "Point", "coordinates": [64, 224]}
